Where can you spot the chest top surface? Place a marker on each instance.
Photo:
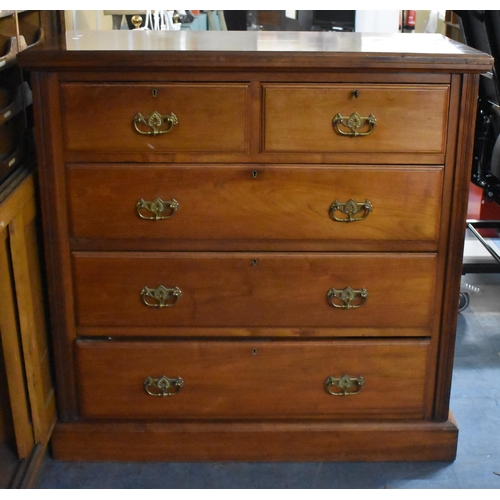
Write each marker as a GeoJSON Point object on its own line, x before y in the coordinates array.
{"type": "Point", "coordinates": [133, 49]}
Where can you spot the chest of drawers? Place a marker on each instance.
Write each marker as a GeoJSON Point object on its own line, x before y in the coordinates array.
{"type": "Point", "coordinates": [254, 242]}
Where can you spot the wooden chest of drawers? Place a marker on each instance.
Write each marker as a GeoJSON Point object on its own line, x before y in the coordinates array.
{"type": "Point", "coordinates": [254, 242]}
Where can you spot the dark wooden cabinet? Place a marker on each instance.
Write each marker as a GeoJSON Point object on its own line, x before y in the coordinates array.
{"type": "Point", "coordinates": [452, 26]}
{"type": "Point", "coordinates": [254, 241]}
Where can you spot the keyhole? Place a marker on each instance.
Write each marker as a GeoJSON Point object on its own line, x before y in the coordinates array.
{"type": "Point", "coordinates": [355, 94]}
{"type": "Point", "coordinates": [254, 351]}
{"type": "Point", "coordinates": [254, 174]}
{"type": "Point", "coordinates": [154, 92]}
{"type": "Point", "coordinates": [254, 262]}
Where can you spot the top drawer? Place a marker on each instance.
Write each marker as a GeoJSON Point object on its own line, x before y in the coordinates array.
{"type": "Point", "coordinates": [355, 118]}
{"type": "Point", "coordinates": [150, 117]}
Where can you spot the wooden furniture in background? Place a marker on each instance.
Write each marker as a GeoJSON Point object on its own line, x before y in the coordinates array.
{"type": "Point", "coordinates": [268, 20]}
{"type": "Point", "coordinates": [254, 251]}
{"type": "Point", "coordinates": [30, 408]}
{"type": "Point", "coordinates": [452, 26]}
{"type": "Point", "coordinates": [27, 405]}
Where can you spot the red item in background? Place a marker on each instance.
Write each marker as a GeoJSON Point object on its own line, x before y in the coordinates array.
{"type": "Point", "coordinates": [410, 16]}
{"type": "Point", "coordinates": [479, 208]}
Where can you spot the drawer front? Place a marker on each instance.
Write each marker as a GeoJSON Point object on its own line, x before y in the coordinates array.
{"type": "Point", "coordinates": [252, 379]}
{"type": "Point", "coordinates": [255, 290]}
{"type": "Point", "coordinates": [409, 119]}
{"type": "Point", "coordinates": [102, 118]}
{"type": "Point", "coordinates": [254, 202]}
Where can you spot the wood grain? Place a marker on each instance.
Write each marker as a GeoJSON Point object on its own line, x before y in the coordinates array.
{"type": "Point", "coordinates": [240, 51]}
{"type": "Point", "coordinates": [254, 202]}
{"type": "Point", "coordinates": [301, 441]}
{"type": "Point", "coordinates": [254, 257]}
{"type": "Point", "coordinates": [32, 321]}
{"type": "Point", "coordinates": [212, 117]}
{"type": "Point", "coordinates": [10, 336]}
{"type": "Point", "coordinates": [57, 258]}
{"type": "Point", "coordinates": [298, 118]}
{"type": "Point", "coordinates": [231, 290]}
{"type": "Point", "coordinates": [463, 158]}
{"type": "Point", "coordinates": [252, 379]}
{"type": "Point", "coordinates": [6, 425]}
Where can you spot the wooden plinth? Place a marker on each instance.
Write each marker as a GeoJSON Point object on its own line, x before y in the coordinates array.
{"type": "Point", "coordinates": [254, 441]}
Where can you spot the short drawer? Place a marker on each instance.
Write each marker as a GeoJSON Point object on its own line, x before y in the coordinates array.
{"type": "Point", "coordinates": [375, 291]}
{"type": "Point", "coordinates": [355, 118]}
{"type": "Point", "coordinates": [252, 379]}
{"type": "Point", "coordinates": [155, 118]}
{"type": "Point", "coordinates": [278, 203]}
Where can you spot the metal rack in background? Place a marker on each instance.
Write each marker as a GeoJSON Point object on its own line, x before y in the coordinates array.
{"type": "Point", "coordinates": [481, 30]}
{"type": "Point", "coordinates": [19, 31]}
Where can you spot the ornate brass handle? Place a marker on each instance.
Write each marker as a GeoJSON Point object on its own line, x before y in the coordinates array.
{"type": "Point", "coordinates": [344, 383]}
{"type": "Point", "coordinates": [161, 296]}
{"type": "Point", "coordinates": [155, 121]}
{"type": "Point", "coordinates": [163, 386]}
{"type": "Point", "coordinates": [353, 123]}
{"type": "Point", "coordinates": [157, 207]}
{"type": "Point", "coordinates": [351, 208]}
{"type": "Point", "coordinates": [347, 298]}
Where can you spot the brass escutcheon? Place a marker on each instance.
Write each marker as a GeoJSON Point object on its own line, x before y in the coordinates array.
{"type": "Point", "coordinates": [344, 383]}
{"type": "Point", "coordinates": [347, 298]}
{"type": "Point", "coordinates": [163, 386]}
{"type": "Point", "coordinates": [351, 208]}
{"type": "Point", "coordinates": [157, 207]}
{"type": "Point", "coordinates": [354, 123]}
{"type": "Point", "coordinates": [161, 296]}
{"type": "Point", "coordinates": [155, 121]}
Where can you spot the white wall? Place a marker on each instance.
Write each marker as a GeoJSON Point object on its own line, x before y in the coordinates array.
{"type": "Point", "coordinates": [430, 21]}
{"type": "Point", "coordinates": [87, 20]}
{"type": "Point", "coordinates": [377, 21]}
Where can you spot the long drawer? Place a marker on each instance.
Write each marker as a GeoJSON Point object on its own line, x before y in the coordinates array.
{"type": "Point", "coordinates": [254, 202]}
{"type": "Point", "coordinates": [352, 291]}
{"type": "Point", "coordinates": [252, 379]}
{"type": "Point", "coordinates": [355, 118]}
{"type": "Point", "coordinates": [155, 117]}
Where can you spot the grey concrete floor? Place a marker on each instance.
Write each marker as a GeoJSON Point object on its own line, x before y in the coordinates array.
{"type": "Point", "coordinates": [475, 403]}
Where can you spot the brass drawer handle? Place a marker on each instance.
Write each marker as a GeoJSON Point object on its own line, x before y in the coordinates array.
{"type": "Point", "coordinates": [161, 296]}
{"type": "Point", "coordinates": [351, 208]}
{"type": "Point", "coordinates": [163, 386]}
{"type": "Point", "coordinates": [353, 123]}
{"type": "Point", "coordinates": [347, 298]}
{"type": "Point", "coordinates": [344, 383]}
{"type": "Point", "coordinates": [155, 121]}
{"type": "Point", "coordinates": [157, 207]}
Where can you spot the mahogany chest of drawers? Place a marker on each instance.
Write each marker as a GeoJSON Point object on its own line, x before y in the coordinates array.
{"type": "Point", "coordinates": [254, 241]}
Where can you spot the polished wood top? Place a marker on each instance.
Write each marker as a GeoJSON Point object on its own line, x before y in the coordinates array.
{"type": "Point", "coordinates": [137, 49]}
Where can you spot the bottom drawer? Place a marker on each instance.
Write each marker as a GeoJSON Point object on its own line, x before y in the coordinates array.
{"type": "Point", "coordinates": [253, 379]}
